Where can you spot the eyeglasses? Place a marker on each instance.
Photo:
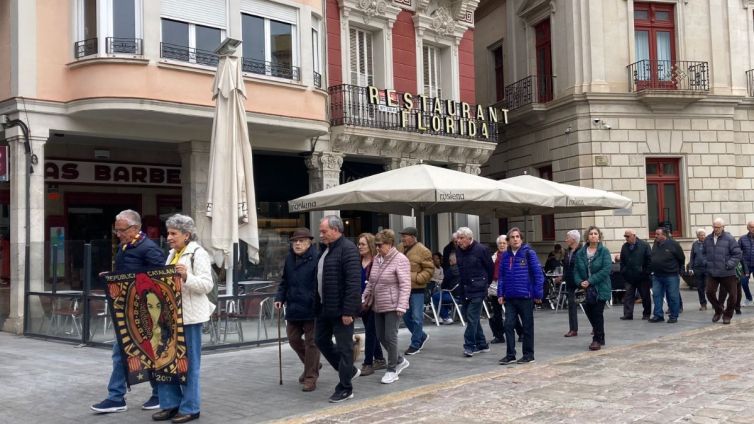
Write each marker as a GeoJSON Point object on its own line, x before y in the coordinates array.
{"type": "Point", "coordinates": [122, 230]}
{"type": "Point", "coordinates": [378, 244]}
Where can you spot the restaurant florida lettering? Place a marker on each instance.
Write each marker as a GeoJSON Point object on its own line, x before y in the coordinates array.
{"type": "Point", "coordinates": [438, 115]}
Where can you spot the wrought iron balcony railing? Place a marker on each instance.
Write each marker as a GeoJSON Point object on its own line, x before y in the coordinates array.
{"type": "Point", "coordinates": [317, 79]}
{"type": "Point", "coordinates": [668, 75]}
{"type": "Point", "coordinates": [750, 82]}
{"type": "Point", "coordinates": [532, 89]}
{"type": "Point", "coordinates": [85, 48]}
{"type": "Point", "coordinates": [187, 54]}
{"type": "Point", "coordinates": [279, 70]}
{"type": "Point", "coordinates": [350, 105]}
{"type": "Point", "coordinates": [114, 45]}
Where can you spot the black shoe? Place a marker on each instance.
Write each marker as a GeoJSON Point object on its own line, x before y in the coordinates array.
{"type": "Point", "coordinates": [496, 340]}
{"type": "Point", "coordinates": [424, 341]}
{"type": "Point", "coordinates": [672, 320]}
{"type": "Point", "coordinates": [507, 360]}
{"type": "Point", "coordinates": [165, 414]}
{"type": "Point", "coordinates": [625, 318]}
{"type": "Point", "coordinates": [525, 360]}
{"type": "Point", "coordinates": [340, 396]}
{"type": "Point", "coordinates": [645, 317]}
{"type": "Point", "coordinates": [411, 351]}
{"type": "Point", "coordinates": [184, 418]}
{"type": "Point", "coordinates": [738, 312]}
{"type": "Point", "coordinates": [656, 319]}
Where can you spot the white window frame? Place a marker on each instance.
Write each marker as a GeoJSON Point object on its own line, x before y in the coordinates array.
{"type": "Point", "coordinates": [105, 23]}
{"type": "Point", "coordinates": [353, 58]}
{"type": "Point", "coordinates": [433, 87]}
{"type": "Point", "coordinates": [191, 40]}
{"type": "Point", "coordinates": [268, 48]}
{"type": "Point", "coordinates": [317, 44]}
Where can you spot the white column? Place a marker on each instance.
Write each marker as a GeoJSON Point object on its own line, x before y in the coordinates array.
{"type": "Point", "coordinates": [151, 25]}
{"type": "Point", "coordinates": [23, 41]}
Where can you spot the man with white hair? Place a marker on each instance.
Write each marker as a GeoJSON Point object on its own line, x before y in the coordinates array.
{"type": "Point", "coordinates": [746, 243]}
{"type": "Point", "coordinates": [572, 241]}
{"type": "Point", "coordinates": [475, 270]}
{"type": "Point", "coordinates": [698, 266]}
{"type": "Point", "coordinates": [635, 258]}
{"type": "Point", "coordinates": [723, 255]}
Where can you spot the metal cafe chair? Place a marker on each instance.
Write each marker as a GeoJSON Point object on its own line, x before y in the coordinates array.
{"type": "Point", "coordinates": [428, 292]}
{"type": "Point", "coordinates": [231, 314]}
{"type": "Point", "coordinates": [456, 307]}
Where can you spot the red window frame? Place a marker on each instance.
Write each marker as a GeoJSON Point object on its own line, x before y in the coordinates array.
{"type": "Point", "coordinates": [548, 221]}
{"type": "Point", "coordinates": [653, 27]}
{"type": "Point", "coordinates": [543, 53]}
{"type": "Point", "coordinates": [660, 180]}
{"type": "Point", "coordinates": [497, 56]}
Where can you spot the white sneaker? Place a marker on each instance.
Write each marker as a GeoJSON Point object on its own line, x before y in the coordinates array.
{"type": "Point", "coordinates": [401, 366]}
{"type": "Point", "coordinates": [447, 321]}
{"type": "Point", "coordinates": [389, 377]}
{"type": "Point", "coordinates": [746, 302]}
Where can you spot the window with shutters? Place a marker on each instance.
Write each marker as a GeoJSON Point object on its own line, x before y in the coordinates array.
{"type": "Point", "coordinates": [108, 26]}
{"type": "Point", "coordinates": [431, 59]}
{"type": "Point", "coordinates": [189, 42]}
{"type": "Point", "coordinates": [362, 65]}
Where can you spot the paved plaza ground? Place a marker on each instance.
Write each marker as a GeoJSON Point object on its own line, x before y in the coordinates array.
{"type": "Point", "coordinates": [692, 371]}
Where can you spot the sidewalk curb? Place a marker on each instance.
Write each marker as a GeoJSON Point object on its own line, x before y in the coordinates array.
{"type": "Point", "coordinates": [505, 371]}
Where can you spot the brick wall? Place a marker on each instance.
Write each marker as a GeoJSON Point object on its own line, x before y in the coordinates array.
{"type": "Point", "coordinates": [466, 67]}
{"type": "Point", "coordinates": [334, 61]}
{"type": "Point", "coordinates": [404, 53]}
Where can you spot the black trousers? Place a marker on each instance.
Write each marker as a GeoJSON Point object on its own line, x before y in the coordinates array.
{"type": "Point", "coordinates": [629, 299]}
{"type": "Point", "coordinates": [523, 310]}
{"type": "Point", "coordinates": [595, 312]}
{"type": "Point", "coordinates": [496, 322]}
{"type": "Point", "coordinates": [340, 354]}
{"type": "Point", "coordinates": [573, 310]}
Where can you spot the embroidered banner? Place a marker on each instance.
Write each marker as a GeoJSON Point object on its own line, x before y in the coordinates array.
{"type": "Point", "coordinates": [147, 312]}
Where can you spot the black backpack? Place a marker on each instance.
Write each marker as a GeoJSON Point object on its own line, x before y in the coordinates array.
{"type": "Point", "coordinates": [212, 295]}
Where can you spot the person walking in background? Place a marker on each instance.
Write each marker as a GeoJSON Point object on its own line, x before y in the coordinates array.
{"type": "Point", "coordinates": [389, 288]}
{"type": "Point", "coordinates": [635, 259]}
{"type": "Point", "coordinates": [135, 253]}
{"type": "Point", "coordinates": [296, 291]}
{"type": "Point", "coordinates": [698, 267]}
{"type": "Point", "coordinates": [373, 357]}
{"type": "Point", "coordinates": [450, 287]}
{"type": "Point", "coordinates": [519, 288]}
{"type": "Point", "coordinates": [723, 255]}
{"type": "Point", "coordinates": [573, 245]}
{"type": "Point", "coordinates": [496, 322]}
{"type": "Point", "coordinates": [667, 262]}
{"type": "Point", "coordinates": [746, 243]}
{"type": "Point", "coordinates": [475, 268]}
{"type": "Point", "coordinates": [181, 403]}
{"type": "Point", "coordinates": [338, 302]}
{"type": "Point", "coordinates": [422, 269]}
{"type": "Point", "coordinates": [592, 272]}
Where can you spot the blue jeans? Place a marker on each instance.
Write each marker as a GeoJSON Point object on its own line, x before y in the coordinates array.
{"type": "Point", "coordinates": [116, 388]}
{"type": "Point", "coordinates": [662, 285]}
{"type": "Point", "coordinates": [186, 397]}
{"type": "Point", "coordinates": [523, 309]}
{"type": "Point", "coordinates": [414, 318]}
{"type": "Point", "coordinates": [473, 337]}
{"type": "Point", "coordinates": [745, 285]}
{"type": "Point", "coordinates": [444, 305]}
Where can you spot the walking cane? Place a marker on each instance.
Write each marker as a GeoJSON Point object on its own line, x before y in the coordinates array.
{"type": "Point", "coordinates": [280, 350]}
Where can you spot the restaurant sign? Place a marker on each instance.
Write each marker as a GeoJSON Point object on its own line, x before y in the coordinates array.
{"type": "Point", "coordinates": [425, 113]}
{"type": "Point", "coordinates": [111, 173]}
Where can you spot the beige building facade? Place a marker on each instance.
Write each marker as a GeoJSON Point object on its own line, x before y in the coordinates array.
{"type": "Point", "coordinates": [651, 100]}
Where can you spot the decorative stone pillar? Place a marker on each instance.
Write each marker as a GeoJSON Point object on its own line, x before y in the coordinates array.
{"type": "Point", "coordinates": [324, 173]}
{"type": "Point", "coordinates": [398, 222]}
{"type": "Point", "coordinates": [194, 176]}
{"type": "Point", "coordinates": [18, 223]}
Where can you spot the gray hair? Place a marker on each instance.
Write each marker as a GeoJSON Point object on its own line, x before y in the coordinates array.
{"type": "Point", "coordinates": [466, 232]}
{"type": "Point", "coordinates": [334, 222]}
{"type": "Point", "coordinates": [182, 223]}
{"type": "Point", "coordinates": [575, 235]}
{"type": "Point", "coordinates": [130, 216]}
{"type": "Point", "coordinates": [701, 230]}
{"type": "Point", "coordinates": [501, 237]}
{"type": "Point", "coordinates": [719, 221]}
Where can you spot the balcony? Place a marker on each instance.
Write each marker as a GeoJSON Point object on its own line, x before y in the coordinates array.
{"type": "Point", "coordinates": [317, 79]}
{"type": "Point", "coordinates": [350, 106]}
{"type": "Point", "coordinates": [750, 82]}
{"type": "Point", "coordinates": [187, 54]}
{"type": "Point", "coordinates": [85, 48]}
{"type": "Point", "coordinates": [529, 90]}
{"type": "Point", "coordinates": [669, 85]}
{"type": "Point", "coordinates": [115, 45]}
{"type": "Point", "coordinates": [272, 69]}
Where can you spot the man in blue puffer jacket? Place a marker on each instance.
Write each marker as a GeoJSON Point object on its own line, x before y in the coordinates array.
{"type": "Point", "coordinates": [475, 268]}
{"type": "Point", "coordinates": [746, 243]}
{"type": "Point", "coordinates": [521, 283]}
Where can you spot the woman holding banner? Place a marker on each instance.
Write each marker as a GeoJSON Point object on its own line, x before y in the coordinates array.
{"type": "Point", "coordinates": [180, 403]}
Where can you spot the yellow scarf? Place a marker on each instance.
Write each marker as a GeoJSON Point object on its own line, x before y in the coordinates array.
{"type": "Point", "coordinates": [177, 256]}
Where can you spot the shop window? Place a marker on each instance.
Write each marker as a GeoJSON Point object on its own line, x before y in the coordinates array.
{"type": "Point", "coordinates": [269, 47]}
{"type": "Point", "coordinates": [654, 38]}
{"type": "Point", "coordinates": [543, 51]}
{"type": "Point", "coordinates": [497, 57]}
{"type": "Point", "coordinates": [361, 57]}
{"type": "Point", "coordinates": [187, 42]}
{"type": "Point", "coordinates": [664, 195]}
{"type": "Point", "coordinates": [431, 66]}
{"type": "Point", "coordinates": [548, 221]}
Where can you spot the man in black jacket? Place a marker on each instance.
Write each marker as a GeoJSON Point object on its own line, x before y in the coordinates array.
{"type": "Point", "coordinates": [635, 259]}
{"type": "Point", "coordinates": [723, 255]}
{"type": "Point", "coordinates": [475, 269]}
{"type": "Point", "coordinates": [338, 302]}
{"type": "Point", "coordinates": [667, 262]}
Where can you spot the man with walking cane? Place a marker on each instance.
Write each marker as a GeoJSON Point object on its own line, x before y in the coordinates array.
{"type": "Point", "coordinates": [297, 290]}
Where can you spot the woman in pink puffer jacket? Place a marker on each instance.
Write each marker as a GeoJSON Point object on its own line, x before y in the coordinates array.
{"type": "Point", "coordinates": [390, 286]}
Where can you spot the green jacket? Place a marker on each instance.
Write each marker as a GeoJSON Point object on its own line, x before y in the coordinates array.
{"type": "Point", "coordinates": [600, 268]}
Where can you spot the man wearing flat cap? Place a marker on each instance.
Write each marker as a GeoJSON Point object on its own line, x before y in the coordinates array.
{"type": "Point", "coordinates": [297, 291]}
{"type": "Point", "coordinates": [422, 269]}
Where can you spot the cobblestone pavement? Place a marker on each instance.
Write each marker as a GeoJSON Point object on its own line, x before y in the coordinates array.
{"type": "Point", "coordinates": [699, 376]}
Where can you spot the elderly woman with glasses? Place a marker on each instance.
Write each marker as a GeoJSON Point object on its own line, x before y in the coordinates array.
{"type": "Point", "coordinates": [181, 403]}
